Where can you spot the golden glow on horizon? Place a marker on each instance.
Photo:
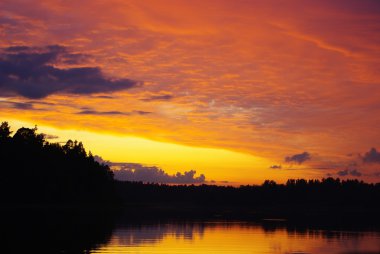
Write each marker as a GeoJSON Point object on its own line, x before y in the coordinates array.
{"type": "Point", "coordinates": [216, 164]}
{"type": "Point", "coordinates": [227, 88]}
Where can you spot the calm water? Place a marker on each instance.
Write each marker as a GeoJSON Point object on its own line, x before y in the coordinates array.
{"type": "Point", "coordinates": [235, 238]}
{"type": "Point", "coordinates": [52, 232]}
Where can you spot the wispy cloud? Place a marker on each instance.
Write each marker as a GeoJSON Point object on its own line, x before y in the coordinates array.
{"type": "Point", "coordinates": [94, 112]}
{"type": "Point", "coordinates": [111, 113]}
{"type": "Point", "coordinates": [347, 172]}
{"type": "Point", "coordinates": [164, 97]}
{"type": "Point", "coordinates": [18, 105]}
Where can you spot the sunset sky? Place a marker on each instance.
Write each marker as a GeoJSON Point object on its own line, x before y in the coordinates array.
{"type": "Point", "coordinates": [239, 91]}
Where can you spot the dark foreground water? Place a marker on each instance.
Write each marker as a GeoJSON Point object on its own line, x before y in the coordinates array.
{"type": "Point", "coordinates": [52, 233]}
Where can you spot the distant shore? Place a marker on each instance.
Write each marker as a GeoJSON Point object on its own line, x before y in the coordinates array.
{"type": "Point", "coordinates": [336, 217]}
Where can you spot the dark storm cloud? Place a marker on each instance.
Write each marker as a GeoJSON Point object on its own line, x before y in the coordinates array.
{"type": "Point", "coordinates": [347, 172]}
{"type": "Point", "coordinates": [373, 156]}
{"type": "Point", "coordinates": [298, 158]}
{"type": "Point", "coordinates": [164, 97]}
{"type": "Point", "coordinates": [30, 72]}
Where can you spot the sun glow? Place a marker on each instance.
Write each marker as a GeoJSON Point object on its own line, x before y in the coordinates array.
{"type": "Point", "coordinates": [216, 164]}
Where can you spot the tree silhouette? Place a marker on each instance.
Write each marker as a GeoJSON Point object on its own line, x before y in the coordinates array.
{"type": "Point", "coordinates": [5, 131]}
{"type": "Point", "coordinates": [36, 171]}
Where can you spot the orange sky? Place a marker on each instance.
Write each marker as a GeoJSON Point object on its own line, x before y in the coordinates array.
{"type": "Point", "coordinates": [252, 82]}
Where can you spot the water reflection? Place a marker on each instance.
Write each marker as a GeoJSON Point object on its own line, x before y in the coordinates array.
{"type": "Point", "coordinates": [153, 233]}
{"type": "Point", "coordinates": [89, 232]}
{"type": "Point", "coordinates": [236, 237]}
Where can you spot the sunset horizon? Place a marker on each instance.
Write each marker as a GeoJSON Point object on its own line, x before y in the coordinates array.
{"type": "Point", "coordinates": [218, 92]}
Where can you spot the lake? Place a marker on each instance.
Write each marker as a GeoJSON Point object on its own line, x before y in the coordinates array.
{"type": "Point", "coordinates": [236, 237]}
{"type": "Point", "coordinates": [53, 231]}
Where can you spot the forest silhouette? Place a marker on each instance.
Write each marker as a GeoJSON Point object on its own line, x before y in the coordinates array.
{"type": "Point", "coordinates": [35, 171]}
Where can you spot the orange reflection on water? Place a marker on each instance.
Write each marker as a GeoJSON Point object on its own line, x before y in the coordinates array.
{"type": "Point", "coordinates": [236, 238]}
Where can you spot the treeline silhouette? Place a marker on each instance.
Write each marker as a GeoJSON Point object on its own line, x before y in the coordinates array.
{"type": "Point", "coordinates": [35, 171]}
{"type": "Point", "coordinates": [326, 202]}
{"type": "Point", "coordinates": [328, 191]}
